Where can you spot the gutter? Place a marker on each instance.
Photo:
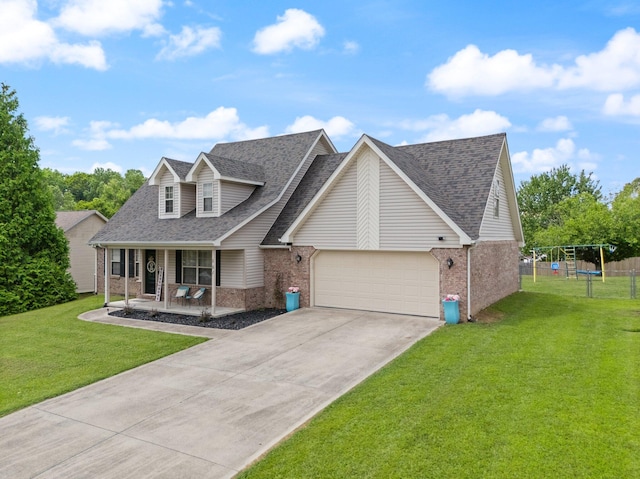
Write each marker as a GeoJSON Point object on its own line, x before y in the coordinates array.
{"type": "Point", "coordinates": [473, 245]}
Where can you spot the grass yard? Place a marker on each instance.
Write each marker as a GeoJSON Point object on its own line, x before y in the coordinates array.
{"type": "Point", "coordinates": [548, 386]}
{"type": "Point", "coordinates": [613, 286]}
{"type": "Point", "coordinates": [48, 352]}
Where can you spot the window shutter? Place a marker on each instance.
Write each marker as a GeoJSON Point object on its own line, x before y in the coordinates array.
{"type": "Point", "coordinates": [218, 256]}
{"type": "Point", "coordinates": [179, 266]}
{"type": "Point", "coordinates": [132, 263]}
{"type": "Point", "coordinates": [122, 260]}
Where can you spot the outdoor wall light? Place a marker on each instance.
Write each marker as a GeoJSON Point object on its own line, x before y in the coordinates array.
{"type": "Point", "coordinates": [298, 258]}
{"type": "Point", "coordinates": [449, 262]}
{"type": "Point", "coordinates": [440, 238]}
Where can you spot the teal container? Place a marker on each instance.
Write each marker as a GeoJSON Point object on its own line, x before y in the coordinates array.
{"type": "Point", "coordinates": [451, 312]}
{"type": "Point", "coordinates": [293, 301]}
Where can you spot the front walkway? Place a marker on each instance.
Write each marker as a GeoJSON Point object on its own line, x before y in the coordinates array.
{"type": "Point", "coordinates": [211, 410]}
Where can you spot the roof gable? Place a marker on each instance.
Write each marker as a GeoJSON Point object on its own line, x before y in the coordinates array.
{"type": "Point", "coordinates": [227, 169]}
{"type": "Point", "coordinates": [405, 167]}
{"type": "Point", "coordinates": [178, 169]}
{"type": "Point", "coordinates": [67, 220]}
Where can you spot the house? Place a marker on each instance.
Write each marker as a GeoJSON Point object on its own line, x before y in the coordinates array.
{"type": "Point", "coordinates": [378, 228]}
{"type": "Point", "coordinates": [79, 227]}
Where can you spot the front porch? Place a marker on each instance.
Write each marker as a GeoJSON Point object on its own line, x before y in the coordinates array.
{"type": "Point", "coordinates": [191, 309]}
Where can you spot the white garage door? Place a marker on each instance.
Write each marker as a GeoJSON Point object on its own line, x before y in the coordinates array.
{"type": "Point", "coordinates": [393, 282]}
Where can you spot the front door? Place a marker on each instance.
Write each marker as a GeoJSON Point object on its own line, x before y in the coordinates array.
{"type": "Point", "coordinates": [150, 271]}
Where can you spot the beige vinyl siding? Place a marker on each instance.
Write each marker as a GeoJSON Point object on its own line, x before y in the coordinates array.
{"type": "Point", "coordinates": [500, 228]}
{"type": "Point", "coordinates": [368, 201]}
{"type": "Point", "coordinates": [83, 256]}
{"type": "Point", "coordinates": [333, 223]}
{"type": "Point", "coordinates": [205, 175]}
{"type": "Point", "coordinates": [248, 237]}
{"type": "Point", "coordinates": [232, 269]}
{"type": "Point", "coordinates": [166, 179]}
{"type": "Point", "coordinates": [187, 198]}
{"type": "Point", "coordinates": [406, 221]}
{"type": "Point", "coordinates": [232, 194]}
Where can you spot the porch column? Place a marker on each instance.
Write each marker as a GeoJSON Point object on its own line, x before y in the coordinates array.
{"type": "Point", "coordinates": [107, 286]}
{"type": "Point", "coordinates": [165, 279]}
{"type": "Point", "coordinates": [213, 281]}
{"type": "Point", "coordinates": [126, 276]}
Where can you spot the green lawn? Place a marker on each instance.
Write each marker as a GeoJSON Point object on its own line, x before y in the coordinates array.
{"type": "Point", "coordinates": [48, 352]}
{"type": "Point", "coordinates": [548, 387]}
{"type": "Point", "coordinates": [613, 287]}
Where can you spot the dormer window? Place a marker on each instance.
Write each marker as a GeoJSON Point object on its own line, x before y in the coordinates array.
{"type": "Point", "coordinates": [168, 199]}
{"type": "Point", "coordinates": [207, 197]}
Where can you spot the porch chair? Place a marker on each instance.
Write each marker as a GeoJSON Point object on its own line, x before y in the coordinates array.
{"type": "Point", "coordinates": [182, 293]}
{"type": "Point", "coordinates": [198, 296]}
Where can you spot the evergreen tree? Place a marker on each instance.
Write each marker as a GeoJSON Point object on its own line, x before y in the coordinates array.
{"type": "Point", "coordinates": [34, 254]}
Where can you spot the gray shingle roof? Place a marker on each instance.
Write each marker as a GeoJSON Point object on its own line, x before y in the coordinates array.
{"type": "Point", "coordinates": [181, 168]}
{"type": "Point", "coordinates": [460, 173]}
{"type": "Point", "coordinates": [316, 176]}
{"type": "Point", "coordinates": [241, 170]}
{"type": "Point", "coordinates": [454, 174]}
{"type": "Point", "coordinates": [137, 221]}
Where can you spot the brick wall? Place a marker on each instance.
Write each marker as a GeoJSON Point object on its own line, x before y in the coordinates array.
{"type": "Point", "coordinates": [282, 270]}
{"type": "Point", "coordinates": [494, 272]}
{"type": "Point", "coordinates": [453, 280]}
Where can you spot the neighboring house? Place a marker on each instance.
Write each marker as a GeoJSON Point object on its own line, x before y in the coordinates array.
{"type": "Point", "coordinates": [378, 228]}
{"type": "Point", "coordinates": [79, 227]}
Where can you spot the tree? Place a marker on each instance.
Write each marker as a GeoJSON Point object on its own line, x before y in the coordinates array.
{"type": "Point", "coordinates": [34, 254]}
{"type": "Point", "coordinates": [626, 214]}
{"type": "Point", "coordinates": [538, 197]}
{"type": "Point", "coordinates": [579, 220]}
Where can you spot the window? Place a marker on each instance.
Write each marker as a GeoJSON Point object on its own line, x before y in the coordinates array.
{"type": "Point", "coordinates": [207, 197]}
{"type": "Point", "coordinates": [168, 199]}
{"type": "Point", "coordinates": [196, 267]}
{"type": "Point", "coordinates": [496, 199]}
{"type": "Point", "coordinates": [116, 264]}
{"type": "Point", "coordinates": [137, 263]}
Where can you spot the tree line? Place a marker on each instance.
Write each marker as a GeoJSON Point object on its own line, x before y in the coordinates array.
{"type": "Point", "coordinates": [103, 190]}
{"type": "Point", "coordinates": [561, 208]}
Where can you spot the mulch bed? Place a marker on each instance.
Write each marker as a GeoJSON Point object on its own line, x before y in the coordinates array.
{"type": "Point", "coordinates": [230, 321]}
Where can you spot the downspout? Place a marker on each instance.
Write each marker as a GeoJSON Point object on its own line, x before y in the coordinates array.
{"type": "Point", "coordinates": [473, 245]}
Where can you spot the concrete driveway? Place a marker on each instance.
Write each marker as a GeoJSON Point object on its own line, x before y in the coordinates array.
{"type": "Point", "coordinates": [211, 410]}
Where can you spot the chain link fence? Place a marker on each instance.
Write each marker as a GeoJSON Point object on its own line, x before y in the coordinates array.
{"type": "Point", "coordinates": [555, 277]}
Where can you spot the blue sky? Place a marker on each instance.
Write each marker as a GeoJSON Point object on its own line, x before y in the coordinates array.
{"type": "Point", "coordinates": [120, 84]}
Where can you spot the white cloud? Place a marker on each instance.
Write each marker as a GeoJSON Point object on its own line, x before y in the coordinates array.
{"type": "Point", "coordinates": [24, 39]}
{"type": "Point", "coordinates": [616, 105]}
{"type": "Point", "coordinates": [472, 72]}
{"type": "Point", "coordinates": [295, 29]}
{"type": "Point", "coordinates": [544, 159]}
{"type": "Point", "coordinates": [57, 124]}
{"type": "Point", "coordinates": [190, 42]}
{"type": "Point", "coordinates": [441, 127]}
{"type": "Point", "coordinates": [106, 166]}
{"type": "Point", "coordinates": [92, 144]}
{"type": "Point", "coordinates": [96, 140]}
{"type": "Point", "coordinates": [221, 123]}
{"type": "Point", "coordinates": [351, 47]}
{"type": "Point", "coordinates": [558, 123]}
{"type": "Point", "coordinates": [616, 67]}
{"type": "Point", "coordinates": [99, 17]}
{"type": "Point", "coordinates": [336, 126]}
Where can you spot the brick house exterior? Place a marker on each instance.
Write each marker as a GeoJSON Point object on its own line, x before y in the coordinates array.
{"type": "Point", "coordinates": [378, 228]}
